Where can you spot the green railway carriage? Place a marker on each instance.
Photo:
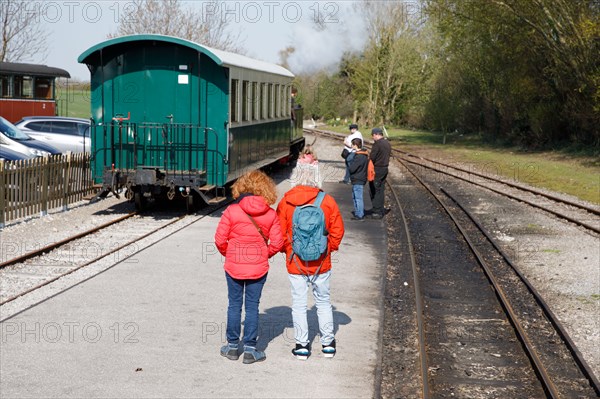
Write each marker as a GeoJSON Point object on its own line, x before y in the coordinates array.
{"type": "Point", "coordinates": [172, 117]}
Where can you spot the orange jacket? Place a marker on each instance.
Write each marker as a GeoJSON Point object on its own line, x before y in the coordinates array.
{"type": "Point", "coordinates": [302, 195]}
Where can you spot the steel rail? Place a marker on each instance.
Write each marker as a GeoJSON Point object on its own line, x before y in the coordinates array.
{"type": "Point", "coordinates": [514, 197]}
{"type": "Point", "coordinates": [595, 211]}
{"type": "Point", "coordinates": [517, 186]}
{"type": "Point", "coordinates": [419, 300]}
{"type": "Point", "coordinates": [548, 385]}
{"type": "Point", "coordinates": [12, 298]}
{"type": "Point", "coordinates": [540, 370]}
{"type": "Point", "coordinates": [60, 243]}
{"type": "Point", "coordinates": [577, 356]}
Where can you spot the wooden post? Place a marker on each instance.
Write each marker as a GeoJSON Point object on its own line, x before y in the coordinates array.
{"type": "Point", "coordinates": [2, 194]}
{"type": "Point", "coordinates": [45, 173]}
{"type": "Point", "coordinates": [67, 182]}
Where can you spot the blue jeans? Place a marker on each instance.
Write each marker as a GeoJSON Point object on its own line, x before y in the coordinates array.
{"type": "Point", "coordinates": [299, 306]}
{"type": "Point", "coordinates": [359, 203]}
{"type": "Point", "coordinates": [248, 291]}
{"type": "Point", "coordinates": [348, 160]}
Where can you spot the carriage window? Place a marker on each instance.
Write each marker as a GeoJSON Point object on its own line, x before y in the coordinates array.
{"type": "Point", "coordinates": [255, 103]}
{"type": "Point", "coordinates": [270, 100]}
{"type": "Point", "coordinates": [282, 102]}
{"type": "Point", "coordinates": [277, 105]}
{"type": "Point", "coordinates": [43, 88]}
{"type": "Point", "coordinates": [263, 101]}
{"type": "Point", "coordinates": [5, 88]}
{"type": "Point", "coordinates": [246, 100]}
{"type": "Point", "coordinates": [287, 104]}
{"type": "Point", "coordinates": [234, 100]}
{"type": "Point", "coordinates": [24, 86]}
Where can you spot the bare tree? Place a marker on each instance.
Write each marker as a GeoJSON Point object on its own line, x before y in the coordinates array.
{"type": "Point", "coordinates": [22, 37]}
{"type": "Point", "coordinates": [207, 26]}
{"type": "Point", "coordinates": [390, 68]}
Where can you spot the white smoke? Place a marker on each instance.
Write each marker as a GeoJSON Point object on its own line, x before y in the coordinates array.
{"type": "Point", "coordinates": [320, 44]}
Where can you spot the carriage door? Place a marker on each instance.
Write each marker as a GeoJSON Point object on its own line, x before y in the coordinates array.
{"type": "Point", "coordinates": [168, 102]}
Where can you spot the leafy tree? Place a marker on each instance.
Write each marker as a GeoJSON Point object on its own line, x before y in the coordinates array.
{"type": "Point", "coordinates": [534, 66]}
{"type": "Point", "coordinates": [388, 74]}
{"type": "Point", "coordinates": [207, 26]}
{"type": "Point", "coordinates": [22, 37]}
{"type": "Point", "coordinates": [324, 95]}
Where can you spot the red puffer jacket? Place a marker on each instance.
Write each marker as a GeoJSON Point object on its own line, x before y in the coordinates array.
{"type": "Point", "coordinates": [302, 195]}
{"type": "Point", "coordinates": [246, 254]}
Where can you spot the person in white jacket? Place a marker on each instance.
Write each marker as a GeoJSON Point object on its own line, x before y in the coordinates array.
{"type": "Point", "coordinates": [348, 152]}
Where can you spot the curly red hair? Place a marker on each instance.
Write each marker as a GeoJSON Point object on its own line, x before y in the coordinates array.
{"type": "Point", "coordinates": [255, 183]}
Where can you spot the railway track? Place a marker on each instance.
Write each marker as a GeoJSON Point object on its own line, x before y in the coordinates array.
{"type": "Point", "coordinates": [482, 330]}
{"type": "Point", "coordinates": [112, 242]}
{"type": "Point", "coordinates": [578, 213]}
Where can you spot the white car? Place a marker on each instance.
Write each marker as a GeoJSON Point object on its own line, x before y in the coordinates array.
{"type": "Point", "coordinates": [64, 133]}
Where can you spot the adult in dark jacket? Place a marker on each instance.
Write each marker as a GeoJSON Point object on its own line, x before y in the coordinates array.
{"type": "Point", "coordinates": [380, 155]}
{"type": "Point", "coordinates": [247, 251]}
{"type": "Point", "coordinates": [358, 177]}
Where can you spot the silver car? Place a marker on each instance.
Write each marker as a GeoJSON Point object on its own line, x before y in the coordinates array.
{"type": "Point", "coordinates": [64, 133]}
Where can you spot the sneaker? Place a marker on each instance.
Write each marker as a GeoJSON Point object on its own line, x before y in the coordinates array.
{"type": "Point", "coordinates": [230, 351]}
{"type": "Point", "coordinates": [251, 355]}
{"type": "Point", "coordinates": [329, 350]}
{"type": "Point", "coordinates": [376, 216]}
{"type": "Point", "coordinates": [357, 218]}
{"type": "Point", "coordinates": [301, 352]}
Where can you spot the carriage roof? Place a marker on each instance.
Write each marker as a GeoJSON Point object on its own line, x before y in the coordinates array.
{"type": "Point", "coordinates": [220, 57]}
{"type": "Point", "coordinates": [13, 68]}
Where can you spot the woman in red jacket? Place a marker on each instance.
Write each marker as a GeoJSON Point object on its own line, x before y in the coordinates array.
{"type": "Point", "coordinates": [248, 235]}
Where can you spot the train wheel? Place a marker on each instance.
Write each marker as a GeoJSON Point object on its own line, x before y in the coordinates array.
{"type": "Point", "coordinates": [140, 201]}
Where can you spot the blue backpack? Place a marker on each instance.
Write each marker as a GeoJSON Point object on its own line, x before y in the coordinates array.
{"type": "Point", "coordinates": [309, 234]}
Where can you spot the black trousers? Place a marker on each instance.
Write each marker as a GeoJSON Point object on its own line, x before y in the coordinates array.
{"type": "Point", "coordinates": [377, 189]}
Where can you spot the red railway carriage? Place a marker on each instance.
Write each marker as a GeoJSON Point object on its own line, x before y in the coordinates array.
{"type": "Point", "coordinates": [28, 89]}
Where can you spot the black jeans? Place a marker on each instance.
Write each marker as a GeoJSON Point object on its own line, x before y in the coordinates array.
{"type": "Point", "coordinates": [377, 189]}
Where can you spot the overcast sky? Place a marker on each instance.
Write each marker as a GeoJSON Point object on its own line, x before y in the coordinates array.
{"type": "Point", "coordinates": [266, 27]}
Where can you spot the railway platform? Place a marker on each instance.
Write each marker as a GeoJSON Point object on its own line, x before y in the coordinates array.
{"type": "Point", "coordinates": [152, 326]}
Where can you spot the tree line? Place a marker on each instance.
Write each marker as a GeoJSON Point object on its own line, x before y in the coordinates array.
{"type": "Point", "coordinates": [520, 71]}
{"type": "Point", "coordinates": [524, 72]}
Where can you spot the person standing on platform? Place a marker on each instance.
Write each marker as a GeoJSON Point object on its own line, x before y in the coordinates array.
{"type": "Point", "coordinates": [380, 155]}
{"type": "Point", "coordinates": [317, 272]}
{"type": "Point", "coordinates": [358, 177]}
{"type": "Point", "coordinates": [348, 152]}
{"type": "Point", "coordinates": [308, 156]}
{"type": "Point", "coordinates": [248, 235]}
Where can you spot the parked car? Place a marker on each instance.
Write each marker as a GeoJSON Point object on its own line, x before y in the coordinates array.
{"type": "Point", "coordinates": [12, 132]}
{"type": "Point", "coordinates": [28, 152]}
{"type": "Point", "coordinates": [6, 154]}
{"type": "Point", "coordinates": [64, 133]}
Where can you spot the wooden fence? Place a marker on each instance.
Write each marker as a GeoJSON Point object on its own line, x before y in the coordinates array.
{"type": "Point", "coordinates": [35, 186]}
